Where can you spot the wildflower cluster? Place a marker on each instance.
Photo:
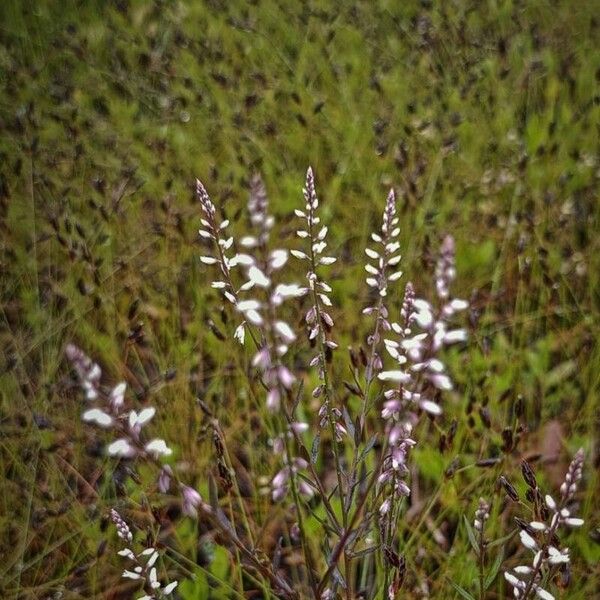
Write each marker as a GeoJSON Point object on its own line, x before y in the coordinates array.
{"type": "Point", "coordinates": [132, 443]}
{"type": "Point", "coordinates": [273, 333]}
{"type": "Point", "coordinates": [404, 370]}
{"type": "Point", "coordinates": [142, 565]}
{"type": "Point", "coordinates": [277, 334]}
{"type": "Point", "coordinates": [131, 446]}
{"type": "Point", "coordinates": [318, 320]}
{"type": "Point", "coordinates": [110, 414]}
{"type": "Point", "coordinates": [384, 258]}
{"type": "Point", "coordinates": [539, 535]}
{"type": "Point", "coordinates": [419, 370]}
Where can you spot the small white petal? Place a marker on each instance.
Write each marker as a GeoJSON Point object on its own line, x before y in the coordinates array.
{"type": "Point", "coordinates": [528, 541]}
{"type": "Point", "coordinates": [122, 448]}
{"type": "Point", "coordinates": [523, 570]}
{"type": "Point", "coordinates": [241, 259]}
{"type": "Point", "coordinates": [292, 290]}
{"type": "Point", "coordinates": [543, 594]}
{"type": "Point", "coordinates": [208, 260]}
{"type": "Point", "coordinates": [278, 258]}
{"type": "Point", "coordinates": [254, 317]}
{"type": "Point", "coordinates": [153, 579]}
{"type": "Point", "coordinates": [441, 382]}
{"type": "Point", "coordinates": [117, 394]}
{"type": "Point", "coordinates": [325, 299]}
{"type": "Point", "coordinates": [249, 241]}
{"type": "Point", "coordinates": [456, 335]}
{"type": "Point", "coordinates": [430, 407]}
{"type": "Point", "coordinates": [145, 415]}
{"type": "Point", "coordinates": [258, 277]}
{"type": "Point", "coordinates": [285, 331]}
{"type": "Point", "coordinates": [169, 588]}
{"type": "Point", "coordinates": [458, 304]}
{"type": "Point", "coordinates": [158, 447]}
{"type": "Point", "coordinates": [511, 579]}
{"type": "Point", "coordinates": [240, 333]}
{"type": "Point", "coordinates": [131, 575]}
{"type": "Point", "coordinates": [399, 376]}
{"type": "Point", "coordinates": [245, 305]}
{"type": "Point", "coordinates": [95, 415]}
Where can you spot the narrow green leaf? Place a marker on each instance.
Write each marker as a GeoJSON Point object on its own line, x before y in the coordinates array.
{"type": "Point", "coordinates": [494, 570]}
{"type": "Point", "coordinates": [368, 447]}
{"type": "Point", "coordinates": [314, 451]}
{"type": "Point", "coordinates": [471, 535]}
{"type": "Point", "coordinates": [501, 541]}
{"type": "Point", "coordinates": [461, 591]}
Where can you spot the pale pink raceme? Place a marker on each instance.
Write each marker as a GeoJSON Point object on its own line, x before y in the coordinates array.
{"type": "Point", "coordinates": [260, 265]}
{"type": "Point", "coordinates": [540, 537]}
{"type": "Point", "coordinates": [381, 272]}
{"type": "Point", "coordinates": [317, 318]}
{"type": "Point", "coordinates": [131, 443]}
{"type": "Point", "coordinates": [109, 414]}
{"type": "Point", "coordinates": [142, 564]}
{"type": "Point", "coordinates": [418, 371]}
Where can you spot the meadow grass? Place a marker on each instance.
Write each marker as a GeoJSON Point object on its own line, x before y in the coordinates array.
{"type": "Point", "coordinates": [484, 119]}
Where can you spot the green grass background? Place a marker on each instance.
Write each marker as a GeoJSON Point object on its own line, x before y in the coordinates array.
{"type": "Point", "coordinates": [484, 116]}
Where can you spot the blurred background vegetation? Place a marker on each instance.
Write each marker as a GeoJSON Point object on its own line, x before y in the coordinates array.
{"type": "Point", "coordinates": [484, 116]}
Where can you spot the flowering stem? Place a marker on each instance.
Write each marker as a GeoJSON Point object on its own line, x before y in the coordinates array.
{"type": "Point", "coordinates": [547, 541]}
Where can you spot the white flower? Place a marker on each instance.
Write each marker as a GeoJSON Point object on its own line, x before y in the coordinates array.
{"type": "Point", "coordinates": [121, 448]}
{"type": "Point", "coordinates": [131, 575]}
{"type": "Point", "coordinates": [556, 557]}
{"type": "Point", "coordinates": [543, 594]}
{"type": "Point", "coordinates": [398, 376]}
{"type": "Point", "coordinates": [257, 277]}
{"type": "Point", "coordinates": [278, 258]}
{"type": "Point", "coordinates": [240, 333]}
{"type": "Point", "coordinates": [528, 541]}
{"type": "Point", "coordinates": [440, 381]}
{"type": "Point", "coordinates": [285, 331]}
{"type": "Point", "coordinates": [246, 305]}
{"type": "Point", "coordinates": [550, 503]}
{"type": "Point", "coordinates": [153, 579]}
{"type": "Point", "coordinates": [430, 407]}
{"type": "Point", "coordinates": [457, 335]}
{"type": "Point", "coordinates": [158, 447]}
{"type": "Point", "coordinates": [117, 395]}
{"type": "Point", "coordinates": [169, 588]}
{"type": "Point", "coordinates": [95, 415]}
{"type": "Point", "coordinates": [137, 421]}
